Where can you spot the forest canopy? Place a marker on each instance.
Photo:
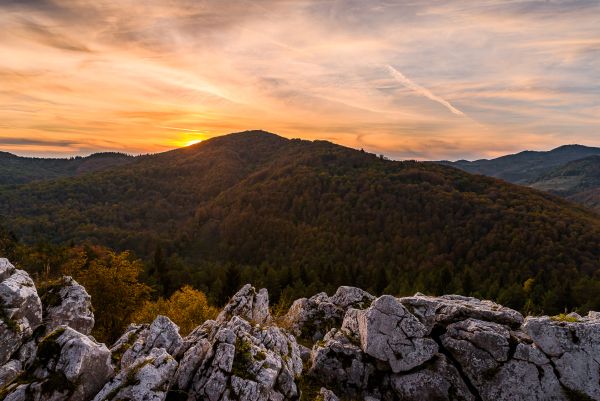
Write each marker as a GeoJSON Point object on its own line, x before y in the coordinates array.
{"type": "Point", "coordinates": [299, 217]}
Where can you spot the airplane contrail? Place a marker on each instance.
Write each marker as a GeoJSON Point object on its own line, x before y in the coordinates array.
{"type": "Point", "coordinates": [422, 91]}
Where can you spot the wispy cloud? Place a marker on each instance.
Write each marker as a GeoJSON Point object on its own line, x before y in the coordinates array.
{"type": "Point", "coordinates": [147, 76]}
{"type": "Point", "coordinates": [421, 90]}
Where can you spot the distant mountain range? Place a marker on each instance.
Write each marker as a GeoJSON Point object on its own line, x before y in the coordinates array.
{"type": "Point", "coordinates": [570, 171]}
{"type": "Point", "coordinates": [21, 170]}
{"type": "Point", "coordinates": [302, 216]}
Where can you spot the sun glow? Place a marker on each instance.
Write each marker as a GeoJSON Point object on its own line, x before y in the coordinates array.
{"type": "Point", "coordinates": [193, 142]}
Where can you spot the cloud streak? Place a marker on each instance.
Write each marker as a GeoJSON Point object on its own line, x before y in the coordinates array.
{"type": "Point", "coordinates": [421, 90]}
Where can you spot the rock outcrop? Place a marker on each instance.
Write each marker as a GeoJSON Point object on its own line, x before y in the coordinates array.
{"type": "Point", "coordinates": [237, 358]}
{"type": "Point", "coordinates": [20, 309]}
{"type": "Point", "coordinates": [359, 347]}
{"type": "Point", "coordinates": [68, 365]}
{"type": "Point", "coordinates": [312, 318]}
{"type": "Point", "coordinates": [66, 303]}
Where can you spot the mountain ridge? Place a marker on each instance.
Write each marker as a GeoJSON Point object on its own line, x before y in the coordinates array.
{"type": "Point", "coordinates": [545, 171]}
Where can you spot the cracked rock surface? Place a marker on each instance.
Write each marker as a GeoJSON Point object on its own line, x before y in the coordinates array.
{"type": "Point", "coordinates": [313, 317]}
{"type": "Point", "coordinates": [355, 346]}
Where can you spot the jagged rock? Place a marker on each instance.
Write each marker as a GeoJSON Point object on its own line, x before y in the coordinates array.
{"type": "Point", "coordinates": [384, 349]}
{"type": "Point", "coordinates": [483, 350]}
{"type": "Point", "coordinates": [9, 371]}
{"type": "Point", "coordinates": [437, 380]}
{"type": "Point", "coordinates": [573, 348]}
{"type": "Point", "coordinates": [66, 303]}
{"type": "Point", "coordinates": [247, 304]}
{"type": "Point", "coordinates": [147, 378]}
{"type": "Point", "coordinates": [237, 358]}
{"type": "Point", "coordinates": [389, 333]}
{"type": "Point", "coordinates": [20, 310]}
{"type": "Point", "coordinates": [68, 366]}
{"type": "Point", "coordinates": [448, 309]}
{"type": "Point", "coordinates": [339, 360]}
{"type": "Point", "coordinates": [140, 340]}
{"type": "Point", "coordinates": [6, 269]}
{"type": "Point", "coordinates": [312, 317]}
{"type": "Point", "coordinates": [480, 347]}
{"type": "Point", "coordinates": [328, 395]}
{"type": "Point", "coordinates": [259, 362]}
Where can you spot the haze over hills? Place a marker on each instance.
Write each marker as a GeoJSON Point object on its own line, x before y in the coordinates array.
{"type": "Point", "coordinates": [571, 171]}
{"type": "Point", "coordinates": [300, 217]}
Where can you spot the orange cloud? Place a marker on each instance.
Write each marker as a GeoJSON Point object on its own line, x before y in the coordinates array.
{"type": "Point", "coordinates": [146, 76]}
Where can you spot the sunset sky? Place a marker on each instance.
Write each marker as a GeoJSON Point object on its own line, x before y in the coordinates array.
{"type": "Point", "coordinates": [421, 79]}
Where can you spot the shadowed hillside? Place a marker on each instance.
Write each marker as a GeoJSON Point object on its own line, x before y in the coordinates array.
{"type": "Point", "coordinates": [21, 170]}
{"type": "Point", "coordinates": [525, 167]}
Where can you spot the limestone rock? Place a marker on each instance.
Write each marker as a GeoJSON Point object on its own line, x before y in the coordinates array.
{"type": "Point", "coordinates": [236, 358]}
{"type": "Point", "coordinates": [312, 317]}
{"type": "Point", "coordinates": [339, 360]}
{"type": "Point", "coordinates": [483, 350]}
{"type": "Point", "coordinates": [452, 308]}
{"type": "Point", "coordinates": [140, 340]}
{"type": "Point", "coordinates": [147, 378]}
{"type": "Point", "coordinates": [6, 269]}
{"type": "Point", "coordinates": [247, 304]}
{"type": "Point", "coordinates": [573, 348]}
{"type": "Point", "coordinates": [389, 333]}
{"type": "Point", "coordinates": [66, 303]}
{"type": "Point", "coordinates": [68, 366]}
{"type": "Point", "coordinates": [384, 349]}
{"type": "Point", "coordinates": [480, 347]}
{"type": "Point", "coordinates": [328, 395]}
{"type": "Point", "coordinates": [20, 309]}
{"type": "Point", "coordinates": [435, 381]}
{"type": "Point", "coordinates": [9, 371]}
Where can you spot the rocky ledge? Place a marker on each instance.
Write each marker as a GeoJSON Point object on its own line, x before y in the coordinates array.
{"type": "Point", "coordinates": [347, 346]}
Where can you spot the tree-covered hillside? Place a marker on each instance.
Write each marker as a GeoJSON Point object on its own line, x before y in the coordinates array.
{"type": "Point", "coordinates": [528, 166]}
{"type": "Point", "coordinates": [21, 170]}
{"type": "Point", "coordinates": [300, 217]}
{"type": "Point", "coordinates": [578, 180]}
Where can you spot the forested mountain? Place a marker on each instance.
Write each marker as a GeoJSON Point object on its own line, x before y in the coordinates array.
{"type": "Point", "coordinates": [571, 178]}
{"type": "Point", "coordinates": [20, 170]}
{"type": "Point", "coordinates": [300, 217]}
{"type": "Point", "coordinates": [525, 167]}
{"type": "Point", "coordinates": [570, 171]}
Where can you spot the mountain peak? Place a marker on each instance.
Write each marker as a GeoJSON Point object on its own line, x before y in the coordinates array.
{"type": "Point", "coordinates": [573, 147]}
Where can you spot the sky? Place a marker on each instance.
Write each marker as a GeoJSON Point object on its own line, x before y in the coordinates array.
{"type": "Point", "coordinates": [423, 79]}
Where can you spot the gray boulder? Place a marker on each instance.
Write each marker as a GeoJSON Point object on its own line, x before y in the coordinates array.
{"type": "Point", "coordinates": [438, 380]}
{"type": "Point", "coordinates": [140, 340]}
{"type": "Point", "coordinates": [339, 361]}
{"type": "Point", "coordinates": [499, 364]}
{"type": "Point", "coordinates": [248, 304]}
{"type": "Point", "coordinates": [328, 395]}
{"type": "Point", "coordinates": [389, 333]}
{"type": "Point", "coordinates": [147, 378]}
{"type": "Point", "coordinates": [239, 358]}
{"type": "Point", "coordinates": [311, 318]}
{"type": "Point", "coordinates": [448, 309]}
{"type": "Point", "coordinates": [66, 303]}
{"type": "Point", "coordinates": [6, 269]}
{"type": "Point", "coordinates": [20, 309]}
{"type": "Point", "coordinates": [68, 366]}
{"type": "Point", "coordinates": [573, 347]}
